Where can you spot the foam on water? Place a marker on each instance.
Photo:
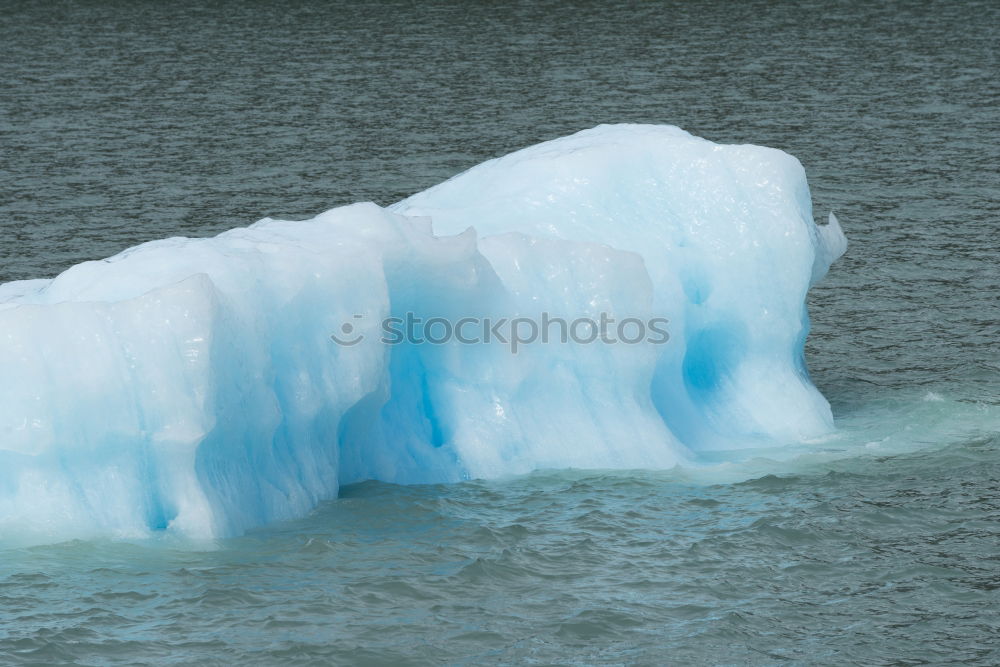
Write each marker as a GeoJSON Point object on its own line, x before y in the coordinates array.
{"type": "Point", "coordinates": [191, 385]}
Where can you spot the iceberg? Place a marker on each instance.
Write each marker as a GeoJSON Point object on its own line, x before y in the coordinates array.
{"type": "Point", "coordinates": [197, 386]}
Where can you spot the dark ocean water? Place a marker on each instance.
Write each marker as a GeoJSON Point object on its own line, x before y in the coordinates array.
{"type": "Point", "coordinates": [126, 122]}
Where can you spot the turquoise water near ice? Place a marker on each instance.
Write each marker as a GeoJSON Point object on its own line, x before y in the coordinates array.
{"type": "Point", "coordinates": [870, 560]}
{"type": "Point", "coordinates": [124, 122]}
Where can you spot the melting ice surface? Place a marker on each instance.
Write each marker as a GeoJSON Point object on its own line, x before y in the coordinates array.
{"type": "Point", "coordinates": [191, 385]}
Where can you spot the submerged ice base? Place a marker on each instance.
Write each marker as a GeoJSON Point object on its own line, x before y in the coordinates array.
{"type": "Point", "coordinates": [191, 385]}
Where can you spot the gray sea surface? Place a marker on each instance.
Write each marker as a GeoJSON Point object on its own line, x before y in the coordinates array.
{"type": "Point", "coordinates": [123, 122]}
